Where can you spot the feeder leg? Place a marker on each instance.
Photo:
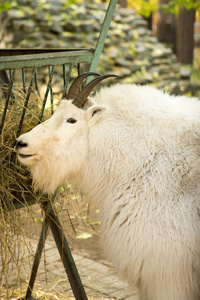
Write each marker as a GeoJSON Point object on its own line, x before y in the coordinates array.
{"type": "Point", "coordinates": [37, 258]}
{"type": "Point", "coordinates": [66, 257]}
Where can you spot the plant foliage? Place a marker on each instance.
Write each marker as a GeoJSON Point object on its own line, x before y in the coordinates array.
{"type": "Point", "coordinates": [145, 8]}
{"type": "Point", "coordinates": [4, 5]}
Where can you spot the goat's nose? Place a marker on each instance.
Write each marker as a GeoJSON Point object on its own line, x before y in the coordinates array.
{"type": "Point", "coordinates": [20, 144]}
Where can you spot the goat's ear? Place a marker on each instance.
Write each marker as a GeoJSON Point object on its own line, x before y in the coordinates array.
{"type": "Point", "coordinates": [94, 112]}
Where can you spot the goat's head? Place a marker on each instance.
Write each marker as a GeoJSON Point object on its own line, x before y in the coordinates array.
{"type": "Point", "coordinates": [59, 145]}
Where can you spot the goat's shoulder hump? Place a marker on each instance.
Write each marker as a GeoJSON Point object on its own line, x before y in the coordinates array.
{"type": "Point", "coordinates": [146, 97]}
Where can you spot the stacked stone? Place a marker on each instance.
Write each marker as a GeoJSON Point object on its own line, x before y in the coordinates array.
{"type": "Point", "coordinates": [131, 51]}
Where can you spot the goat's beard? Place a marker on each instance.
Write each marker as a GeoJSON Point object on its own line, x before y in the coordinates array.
{"type": "Point", "coordinates": [47, 177]}
{"type": "Point", "coordinates": [50, 172]}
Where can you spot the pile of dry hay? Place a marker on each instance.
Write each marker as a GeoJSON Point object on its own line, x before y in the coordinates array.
{"type": "Point", "coordinates": [15, 182]}
{"type": "Point", "coordinates": [14, 179]}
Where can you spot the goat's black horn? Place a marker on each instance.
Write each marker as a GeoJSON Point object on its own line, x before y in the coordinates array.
{"type": "Point", "coordinates": [74, 89]}
{"type": "Point", "coordinates": [81, 98]}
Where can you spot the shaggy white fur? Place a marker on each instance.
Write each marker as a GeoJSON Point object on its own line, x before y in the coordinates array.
{"type": "Point", "coordinates": [135, 151]}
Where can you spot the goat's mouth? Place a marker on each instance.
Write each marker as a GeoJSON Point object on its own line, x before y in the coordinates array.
{"type": "Point", "coordinates": [25, 155]}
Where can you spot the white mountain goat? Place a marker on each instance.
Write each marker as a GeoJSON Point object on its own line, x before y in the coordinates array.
{"type": "Point", "coordinates": [136, 151]}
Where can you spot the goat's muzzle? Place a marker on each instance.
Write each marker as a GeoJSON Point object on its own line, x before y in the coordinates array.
{"type": "Point", "coordinates": [19, 148]}
{"type": "Point", "coordinates": [20, 144]}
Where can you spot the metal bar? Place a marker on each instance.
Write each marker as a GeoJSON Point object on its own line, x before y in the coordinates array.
{"type": "Point", "coordinates": [4, 82]}
{"type": "Point", "coordinates": [7, 100]}
{"type": "Point", "coordinates": [51, 92]}
{"type": "Point", "coordinates": [64, 82]}
{"type": "Point", "coordinates": [66, 78]}
{"type": "Point", "coordinates": [66, 257]}
{"type": "Point", "coordinates": [49, 59]}
{"type": "Point", "coordinates": [4, 77]}
{"type": "Point", "coordinates": [24, 80]}
{"type": "Point", "coordinates": [26, 102]}
{"type": "Point", "coordinates": [79, 69]}
{"type": "Point", "coordinates": [27, 51]}
{"type": "Point", "coordinates": [36, 82]}
{"type": "Point", "coordinates": [102, 37]}
{"type": "Point", "coordinates": [46, 93]}
{"type": "Point", "coordinates": [17, 204]}
{"type": "Point", "coordinates": [37, 257]}
{"type": "Point", "coordinates": [64, 75]}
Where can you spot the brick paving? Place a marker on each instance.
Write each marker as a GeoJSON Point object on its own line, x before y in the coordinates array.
{"type": "Point", "coordinates": [99, 279]}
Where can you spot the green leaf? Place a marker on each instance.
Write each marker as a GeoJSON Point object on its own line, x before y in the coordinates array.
{"type": "Point", "coordinates": [84, 236]}
{"type": "Point", "coordinates": [38, 219]}
{"type": "Point", "coordinates": [61, 189]}
{"type": "Point", "coordinates": [69, 2]}
{"type": "Point", "coordinates": [4, 6]}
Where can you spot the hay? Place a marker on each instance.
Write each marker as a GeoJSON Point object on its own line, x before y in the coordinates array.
{"type": "Point", "coordinates": [40, 295]}
{"type": "Point", "coordinates": [15, 183]}
{"type": "Point", "coordinates": [15, 180]}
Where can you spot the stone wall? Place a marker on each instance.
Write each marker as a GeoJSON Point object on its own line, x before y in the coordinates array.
{"type": "Point", "coordinates": [130, 51]}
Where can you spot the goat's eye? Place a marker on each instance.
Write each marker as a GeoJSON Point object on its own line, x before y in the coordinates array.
{"type": "Point", "coordinates": [71, 120]}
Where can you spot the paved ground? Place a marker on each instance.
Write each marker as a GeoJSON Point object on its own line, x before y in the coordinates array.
{"type": "Point", "coordinates": [99, 279]}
